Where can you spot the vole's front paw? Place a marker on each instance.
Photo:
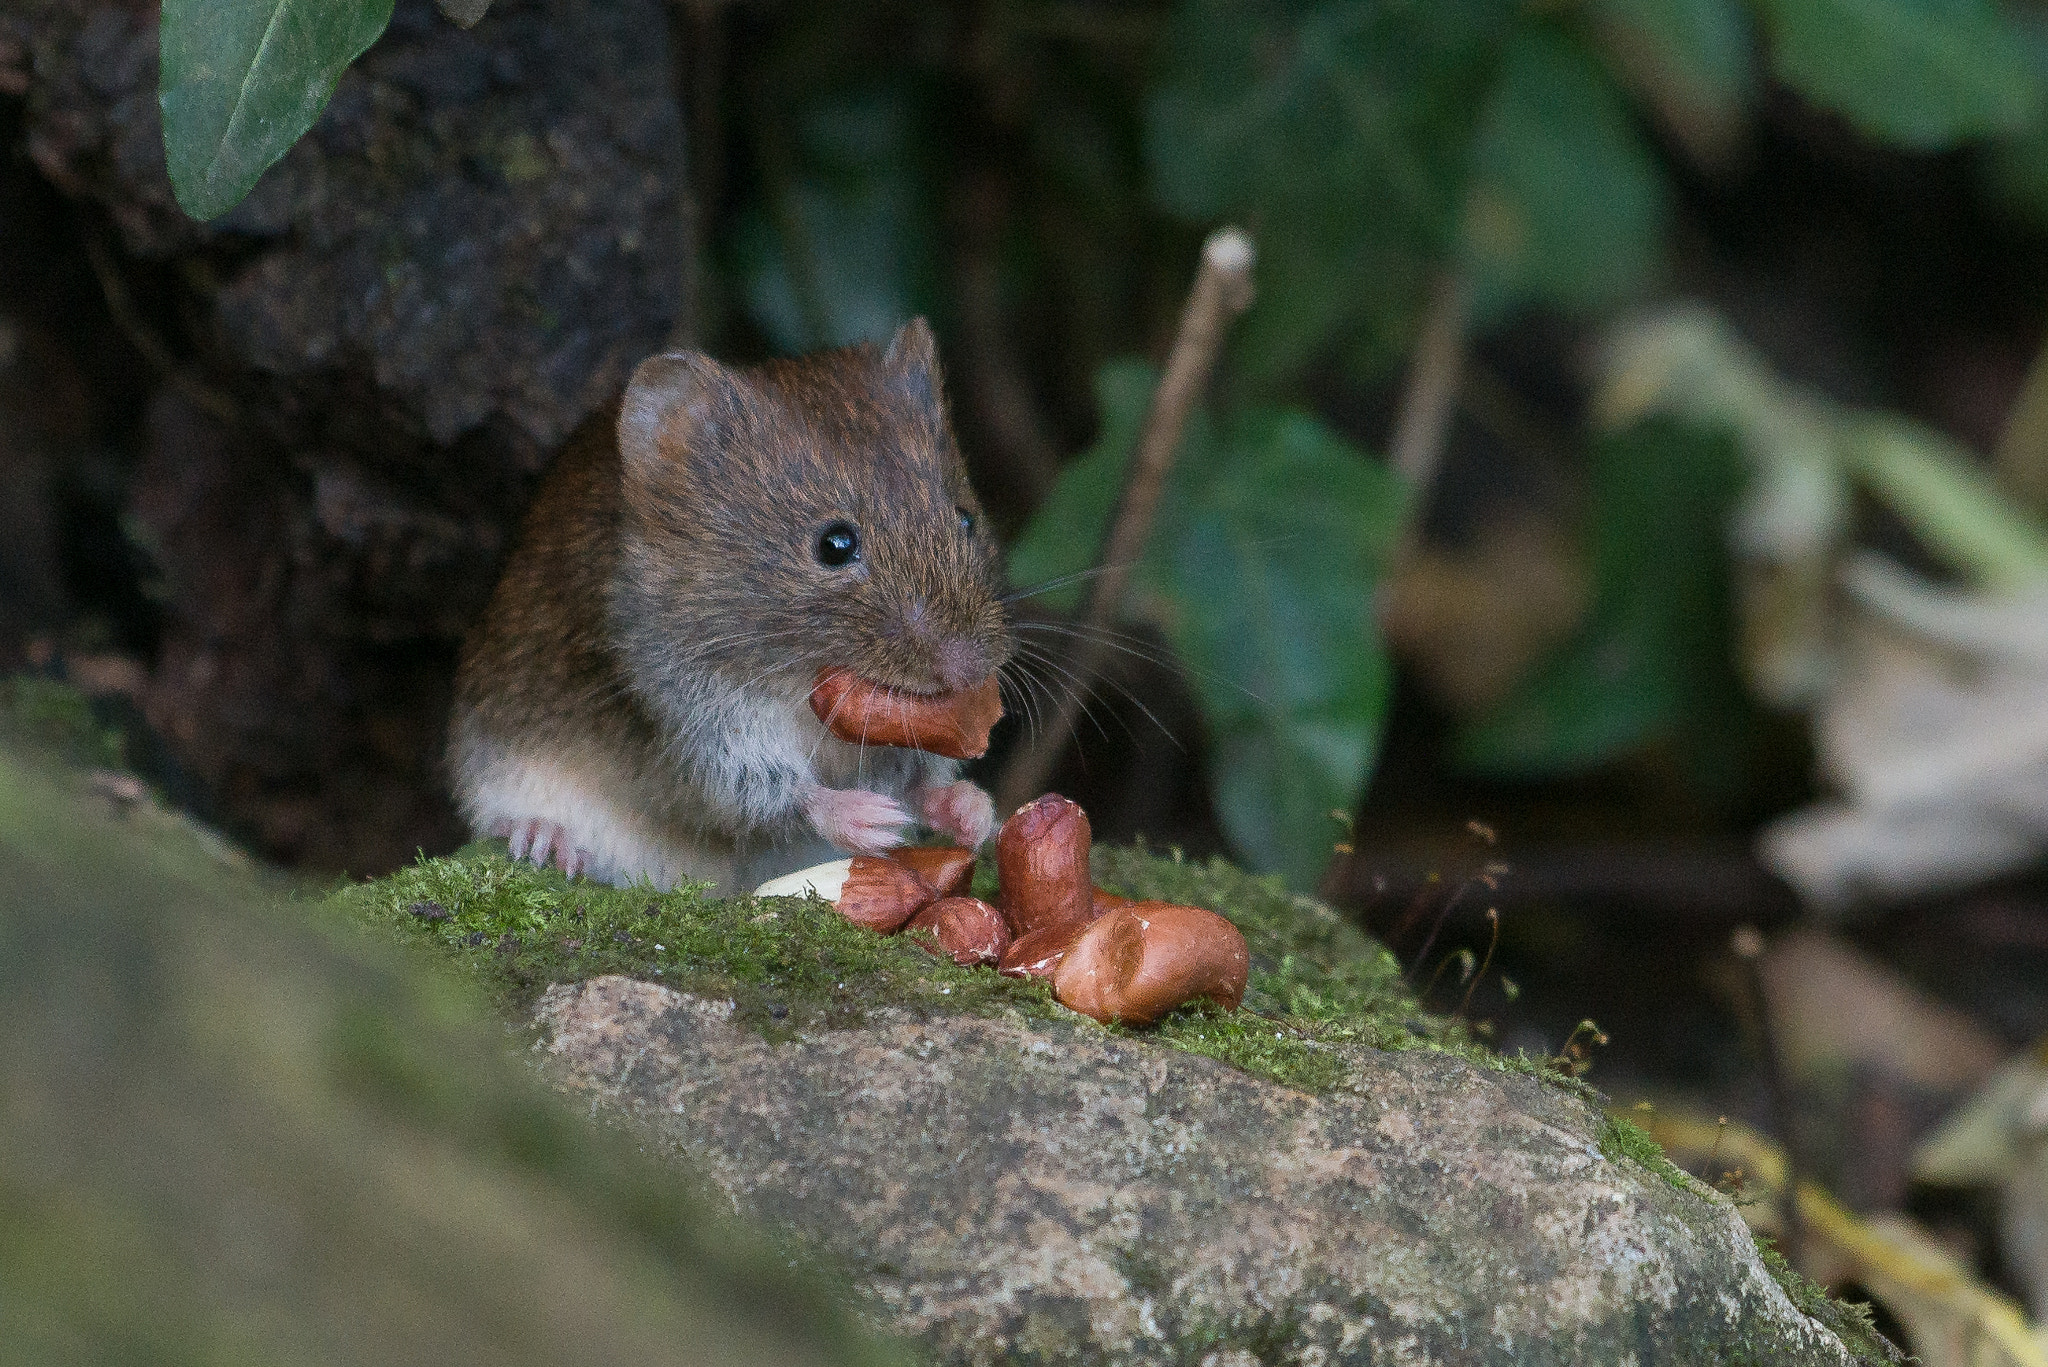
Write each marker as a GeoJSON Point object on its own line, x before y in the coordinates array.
{"type": "Point", "coordinates": [541, 842]}
{"type": "Point", "coordinates": [856, 819]}
{"type": "Point", "coordinates": [960, 810]}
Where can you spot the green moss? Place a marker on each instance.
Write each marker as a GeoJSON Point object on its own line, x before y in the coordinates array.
{"type": "Point", "coordinates": [1316, 980]}
{"type": "Point", "coordinates": [1621, 1138]}
{"type": "Point", "coordinates": [1849, 1321]}
{"type": "Point", "coordinates": [784, 961]}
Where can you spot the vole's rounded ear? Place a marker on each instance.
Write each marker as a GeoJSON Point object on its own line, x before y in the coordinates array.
{"type": "Point", "coordinates": [675, 403]}
{"type": "Point", "coordinates": [912, 360]}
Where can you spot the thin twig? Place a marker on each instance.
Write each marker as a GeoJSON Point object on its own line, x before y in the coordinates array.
{"type": "Point", "coordinates": [687, 333]}
{"type": "Point", "coordinates": [706, 109]}
{"type": "Point", "coordinates": [1422, 425]}
{"type": "Point", "coordinates": [778, 169]}
{"type": "Point", "coordinates": [1432, 386]}
{"type": "Point", "coordinates": [1492, 943]}
{"type": "Point", "coordinates": [1223, 289]}
{"type": "Point", "coordinates": [1748, 944]}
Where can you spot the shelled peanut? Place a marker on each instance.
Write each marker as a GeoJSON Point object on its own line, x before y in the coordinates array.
{"type": "Point", "coordinates": [1105, 956]}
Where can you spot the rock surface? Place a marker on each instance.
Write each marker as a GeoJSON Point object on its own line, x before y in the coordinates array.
{"type": "Point", "coordinates": [234, 1134]}
{"type": "Point", "coordinates": [1007, 1192]}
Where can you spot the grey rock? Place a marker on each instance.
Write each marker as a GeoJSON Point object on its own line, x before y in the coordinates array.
{"type": "Point", "coordinates": [1011, 1192]}
{"type": "Point", "coordinates": [232, 1134]}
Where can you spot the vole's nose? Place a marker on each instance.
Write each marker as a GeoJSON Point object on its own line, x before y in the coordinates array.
{"type": "Point", "coordinates": [959, 663]}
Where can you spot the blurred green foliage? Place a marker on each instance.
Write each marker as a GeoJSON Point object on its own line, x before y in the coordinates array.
{"type": "Point", "coordinates": [1369, 146]}
{"type": "Point", "coordinates": [1261, 567]}
{"type": "Point", "coordinates": [1653, 659]}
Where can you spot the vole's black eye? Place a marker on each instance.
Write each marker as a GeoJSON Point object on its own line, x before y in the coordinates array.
{"type": "Point", "coordinates": [966, 520]}
{"type": "Point", "coordinates": [838, 545]}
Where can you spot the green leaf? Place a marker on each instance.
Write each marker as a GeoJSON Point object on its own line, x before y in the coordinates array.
{"type": "Point", "coordinates": [1705, 45]}
{"type": "Point", "coordinates": [1656, 659]}
{"type": "Point", "coordinates": [1066, 533]}
{"type": "Point", "coordinates": [1261, 566]}
{"type": "Point", "coordinates": [1949, 500]}
{"type": "Point", "coordinates": [1338, 130]}
{"type": "Point", "coordinates": [241, 80]}
{"type": "Point", "coordinates": [1925, 74]}
{"type": "Point", "coordinates": [1567, 206]}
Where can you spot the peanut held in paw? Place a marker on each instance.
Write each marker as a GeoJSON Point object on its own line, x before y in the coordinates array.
{"type": "Point", "coordinates": [948, 868]}
{"type": "Point", "coordinates": [1042, 862]}
{"type": "Point", "coordinates": [1138, 962]}
{"type": "Point", "coordinates": [955, 724]}
{"type": "Point", "coordinates": [968, 930]}
{"type": "Point", "coordinates": [881, 894]}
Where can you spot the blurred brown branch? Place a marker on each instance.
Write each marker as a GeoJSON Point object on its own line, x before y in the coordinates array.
{"type": "Point", "coordinates": [1222, 290]}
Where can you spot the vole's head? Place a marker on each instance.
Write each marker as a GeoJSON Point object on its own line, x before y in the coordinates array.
{"type": "Point", "coordinates": [803, 514]}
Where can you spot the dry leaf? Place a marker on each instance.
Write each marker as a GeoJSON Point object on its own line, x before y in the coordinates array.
{"type": "Point", "coordinates": [2000, 1138]}
{"type": "Point", "coordinates": [1953, 1319]}
{"type": "Point", "coordinates": [1936, 736]}
{"type": "Point", "coordinates": [1831, 1004]}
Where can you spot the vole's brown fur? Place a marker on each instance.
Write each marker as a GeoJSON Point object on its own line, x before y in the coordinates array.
{"type": "Point", "coordinates": [634, 701]}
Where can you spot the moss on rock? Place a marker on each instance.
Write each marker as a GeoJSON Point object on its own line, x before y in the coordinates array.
{"type": "Point", "coordinates": [789, 963]}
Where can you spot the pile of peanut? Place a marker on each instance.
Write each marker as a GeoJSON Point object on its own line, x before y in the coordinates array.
{"type": "Point", "coordinates": [1105, 956]}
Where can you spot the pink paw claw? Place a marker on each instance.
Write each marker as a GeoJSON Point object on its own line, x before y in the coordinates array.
{"type": "Point", "coordinates": [856, 819]}
{"type": "Point", "coordinates": [541, 843]}
{"type": "Point", "coordinates": [961, 810]}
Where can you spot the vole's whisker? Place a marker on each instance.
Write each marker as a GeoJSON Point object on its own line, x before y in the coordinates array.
{"type": "Point", "coordinates": [1023, 683]}
{"type": "Point", "coordinates": [1118, 641]}
{"type": "Point", "coordinates": [1083, 693]}
{"type": "Point", "coordinates": [1123, 643]}
{"type": "Point", "coordinates": [1089, 687]}
{"type": "Point", "coordinates": [1052, 690]}
{"type": "Point", "coordinates": [1077, 576]}
{"type": "Point", "coordinates": [1060, 582]}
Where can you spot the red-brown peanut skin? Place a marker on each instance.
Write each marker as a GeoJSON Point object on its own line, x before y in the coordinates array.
{"type": "Point", "coordinates": [863, 712]}
{"type": "Point", "coordinates": [968, 930]}
{"type": "Point", "coordinates": [1038, 954]}
{"type": "Point", "coordinates": [1106, 902]}
{"type": "Point", "coordinates": [881, 894]}
{"type": "Point", "coordinates": [1042, 862]}
{"type": "Point", "coordinates": [1138, 962]}
{"type": "Point", "coordinates": [948, 868]}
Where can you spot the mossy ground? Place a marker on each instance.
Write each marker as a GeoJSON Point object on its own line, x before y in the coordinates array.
{"type": "Point", "coordinates": [1622, 1138]}
{"type": "Point", "coordinates": [790, 963]}
{"type": "Point", "coordinates": [785, 962]}
{"type": "Point", "coordinates": [55, 718]}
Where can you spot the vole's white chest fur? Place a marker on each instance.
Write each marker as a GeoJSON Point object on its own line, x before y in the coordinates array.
{"type": "Point", "coordinates": [717, 800]}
